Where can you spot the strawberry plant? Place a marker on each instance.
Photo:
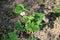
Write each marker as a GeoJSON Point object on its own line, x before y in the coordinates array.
{"type": "Point", "coordinates": [30, 24]}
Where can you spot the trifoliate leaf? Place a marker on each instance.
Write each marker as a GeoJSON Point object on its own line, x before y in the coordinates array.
{"type": "Point", "coordinates": [28, 28]}
{"type": "Point", "coordinates": [35, 28]}
{"type": "Point", "coordinates": [38, 22]}
{"type": "Point", "coordinates": [18, 26]}
{"type": "Point", "coordinates": [40, 15]}
{"type": "Point", "coordinates": [27, 20]}
{"type": "Point", "coordinates": [31, 17]}
{"type": "Point", "coordinates": [19, 8]}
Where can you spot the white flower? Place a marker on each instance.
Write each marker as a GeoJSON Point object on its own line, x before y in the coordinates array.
{"type": "Point", "coordinates": [22, 13]}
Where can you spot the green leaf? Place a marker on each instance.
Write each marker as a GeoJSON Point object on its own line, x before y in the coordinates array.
{"type": "Point", "coordinates": [31, 17]}
{"type": "Point", "coordinates": [35, 28]}
{"type": "Point", "coordinates": [13, 36]}
{"type": "Point", "coordinates": [26, 18]}
{"type": "Point", "coordinates": [19, 26]}
{"type": "Point", "coordinates": [19, 8]}
{"type": "Point", "coordinates": [56, 9]}
{"type": "Point", "coordinates": [39, 22]}
{"type": "Point", "coordinates": [39, 15]}
{"type": "Point", "coordinates": [28, 28]}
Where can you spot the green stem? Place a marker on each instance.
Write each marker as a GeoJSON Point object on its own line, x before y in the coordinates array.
{"type": "Point", "coordinates": [26, 10]}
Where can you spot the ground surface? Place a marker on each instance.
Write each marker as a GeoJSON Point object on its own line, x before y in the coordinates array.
{"type": "Point", "coordinates": [44, 6]}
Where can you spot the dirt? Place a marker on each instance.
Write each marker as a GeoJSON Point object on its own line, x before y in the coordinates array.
{"type": "Point", "coordinates": [7, 20]}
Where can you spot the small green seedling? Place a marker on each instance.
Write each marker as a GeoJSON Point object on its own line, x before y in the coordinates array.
{"type": "Point", "coordinates": [18, 26]}
{"type": "Point", "coordinates": [19, 8]}
{"type": "Point", "coordinates": [28, 18]}
{"type": "Point", "coordinates": [13, 36]}
{"type": "Point", "coordinates": [39, 17]}
{"type": "Point", "coordinates": [35, 28]}
{"type": "Point", "coordinates": [28, 28]}
{"type": "Point", "coordinates": [56, 11]}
